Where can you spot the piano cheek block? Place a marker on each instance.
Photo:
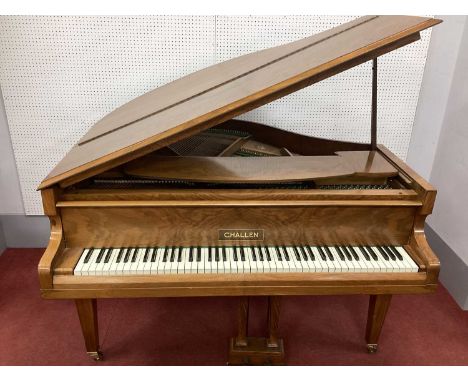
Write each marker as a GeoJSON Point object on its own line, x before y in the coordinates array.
{"type": "Point", "coordinates": [170, 196]}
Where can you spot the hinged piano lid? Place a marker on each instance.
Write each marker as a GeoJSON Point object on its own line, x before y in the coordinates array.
{"type": "Point", "coordinates": [215, 94]}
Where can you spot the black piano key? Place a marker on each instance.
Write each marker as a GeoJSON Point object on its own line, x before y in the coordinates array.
{"type": "Point", "coordinates": [365, 253]}
{"type": "Point", "coordinates": [296, 253]}
{"type": "Point", "coordinates": [348, 254]}
{"type": "Point", "coordinates": [100, 255]}
{"type": "Point", "coordinates": [146, 255]}
{"type": "Point", "coordinates": [242, 253]}
{"type": "Point", "coordinates": [135, 253]}
{"type": "Point", "coordinates": [310, 252]}
{"type": "Point", "coordinates": [322, 253]}
{"type": "Point", "coordinates": [154, 254]}
{"type": "Point", "coordinates": [108, 255]}
{"type": "Point", "coordinates": [389, 253]}
{"type": "Point", "coordinates": [120, 255]}
{"type": "Point", "coordinates": [88, 255]}
{"type": "Point", "coordinates": [383, 253]}
{"type": "Point", "coordinates": [396, 253]}
{"type": "Point", "coordinates": [267, 254]}
{"type": "Point", "coordinates": [303, 252]}
{"type": "Point", "coordinates": [353, 253]}
{"type": "Point", "coordinates": [217, 254]}
{"type": "Point", "coordinates": [285, 254]}
{"type": "Point", "coordinates": [179, 255]}
{"type": "Point", "coordinates": [165, 254]}
{"type": "Point", "coordinates": [330, 255]}
{"type": "Point", "coordinates": [278, 252]}
{"type": "Point", "coordinates": [224, 254]}
{"type": "Point", "coordinates": [235, 254]}
{"type": "Point", "coordinates": [371, 252]}
{"type": "Point", "coordinates": [198, 254]}
{"type": "Point", "coordinates": [260, 253]}
{"type": "Point", "coordinates": [254, 256]}
{"type": "Point", "coordinates": [190, 257]}
{"type": "Point", "coordinates": [173, 254]}
{"type": "Point", "coordinates": [341, 254]}
{"type": "Point", "coordinates": [209, 253]}
{"type": "Point", "coordinates": [127, 255]}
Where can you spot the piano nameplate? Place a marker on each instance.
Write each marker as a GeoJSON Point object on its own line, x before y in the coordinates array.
{"type": "Point", "coordinates": [241, 234]}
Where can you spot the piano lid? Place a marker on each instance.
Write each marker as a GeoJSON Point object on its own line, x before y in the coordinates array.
{"type": "Point", "coordinates": [220, 92]}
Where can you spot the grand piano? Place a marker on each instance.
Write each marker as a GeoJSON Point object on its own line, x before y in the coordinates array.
{"type": "Point", "coordinates": [170, 195]}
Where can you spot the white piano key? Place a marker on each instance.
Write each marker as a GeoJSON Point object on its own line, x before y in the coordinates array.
{"type": "Point", "coordinates": [174, 262]}
{"type": "Point", "coordinates": [249, 257]}
{"type": "Point", "coordinates": [275, 262]}
{"type": "Point", "coordinates": [214, 256]}
{"type": "Point", "coordinates": [340, 265]}
{"type": "Point", "coordinates": [98, 271]}
{"type": "Point", "coordinates": [384, 265]}
{"type": "Point", "coordinates": [304, 262]}
{"type": "Point", "coordinates": [88, 268]}
{"type": "Point", "coordinates": [206, 259]}
{"type": "Point", "coordinates": [233, 264]}
{"type": "Point", "coordinates": [261, 264]}
{"type": "Point", "coordinates": [355, 264]}
{"type": "Point", "coordinates": [186, 266]}
{"type": "Point", "coordinates": [134, 264]}
{"type": "Point", "coordinates": [157, 266]}
{"type": "Point", "coordinates": [141, 264]}
{"type": "Point", "coordinates": [361, 263]}
{"type": "Point", "coordinates": [226, 261]}
{"type": "Point", "coordinates": [332, 263]}
{"type": "Point", "coordinates": [166, 265]}
{"type": "Point", "coordinates": [269, 260]}
{"type": "Point", "coordinates": [407, 258]}
{"type": "Point", "coordinates": [106, 270]}
{"type": "Point", "coordinates": [146, 266]}
{"type": "Point", "coordinates": [79, 266]}
{"type": "Point", "coordinates": [246, 261]}
{"type": "Point", "coordinates": [194, 264]}
{"type": "Point", "coordinates": [320, 265]}
{"type": "Point", "coordinates": [372, 265]}
{"type": "Point", "coordinates": [112, 269]}
{"type": "Point", "coordinates": [201, 263]}
{"type": "Point", "coordinates": [295, 263]}
{"type": "Point", "coordinates": [127, 267]}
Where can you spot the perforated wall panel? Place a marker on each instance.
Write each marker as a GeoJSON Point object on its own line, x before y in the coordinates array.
{"type": "Point", "coordinates": [60, 74]}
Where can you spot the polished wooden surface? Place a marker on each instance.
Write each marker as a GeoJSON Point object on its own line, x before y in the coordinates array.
{"type": "Point", "coordinates": [360, 164]}
{"type": "Point", "coordinates": [87, 313]}
{"type": "Point", "coordinates": [378, 307]}
{"type": "Point", "coordinates": [146, 124]}
{"type": "Point", "coordinates": [199, 225]}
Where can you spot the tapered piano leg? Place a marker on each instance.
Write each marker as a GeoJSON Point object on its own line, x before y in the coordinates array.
{"type": "Point", "coordinates": [87, 312]}
{"type": "Point", "coordinates": [378, 307]}
{"type": "Point", "coordinates": [273, 321]}
{"type": "Point", "coordinates": [242, 322]}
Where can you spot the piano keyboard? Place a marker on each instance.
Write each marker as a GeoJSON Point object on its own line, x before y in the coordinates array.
{"type": "Point", "coordinates": [257, 259]}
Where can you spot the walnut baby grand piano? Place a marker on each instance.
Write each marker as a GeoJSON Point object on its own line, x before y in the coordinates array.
{"type": "Point", "coordinates": [170, 196]}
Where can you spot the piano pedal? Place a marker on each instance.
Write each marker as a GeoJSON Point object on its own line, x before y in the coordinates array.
{"type": "Point", "coordinates": [372, 348]}
{"type": "Point", "coordinates": [256, 353]}
{"type": "Point", "coordinates": [96, 355]}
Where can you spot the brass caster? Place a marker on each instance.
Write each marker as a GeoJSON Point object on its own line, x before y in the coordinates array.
{"type": "Point", "coordinates": [372, 348]}
{"type": "Point", "coordinates": [96, 355]}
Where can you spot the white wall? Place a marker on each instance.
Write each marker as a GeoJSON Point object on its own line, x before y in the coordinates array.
{"type": "Point", "coordinates": [439, 149]}
{"type": "Point", "coordinates": [10, 193]}
{"type": "Point", "coordinates": [433, 98]}
{"type": "Point", "coordinates": [450, 169]}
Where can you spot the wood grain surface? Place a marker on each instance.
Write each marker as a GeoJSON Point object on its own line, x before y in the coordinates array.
{"type": "Point", "coordinates": [188, 107]}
